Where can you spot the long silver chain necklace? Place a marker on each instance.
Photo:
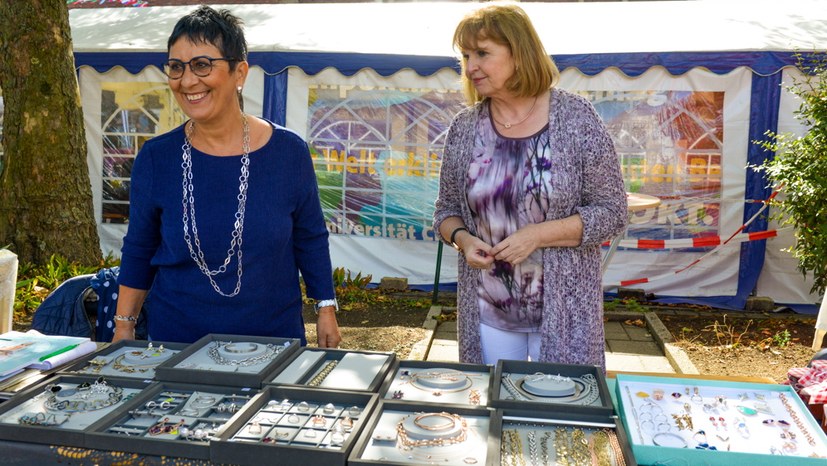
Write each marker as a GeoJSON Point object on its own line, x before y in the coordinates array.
{"type": "Point", "coordinates": [188, 203]}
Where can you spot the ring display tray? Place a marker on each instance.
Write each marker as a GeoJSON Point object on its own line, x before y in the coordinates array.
{"type": "Point", "coordinates": [718, 423]}
{"type": "Point", "coordinates": [59, 410]}
{"type": "Point", "coordinates": [133, 359]}
{"type": "Point", "coordinates": [170, 419]}
{"type": "Point", "coordinates": [552, 387]}
{"type": "Point", "coordinates": [335, 369]}
{"type": "Point", "coordinates": [439, 382]}
{"type": "Point", "coordinates": [229, 360]}
{"type": "Point", "coordinates": [400, 433]}
{"type": "Point", "coordinates": [295, 425]}
{"type": "Point", "coordinates": [573, 438]}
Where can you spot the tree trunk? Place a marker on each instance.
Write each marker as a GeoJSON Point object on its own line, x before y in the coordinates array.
{"type": "Point", "coordinates": [45, 193]}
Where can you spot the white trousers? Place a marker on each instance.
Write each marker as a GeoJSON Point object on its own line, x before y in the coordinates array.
{"type": "Point", "coordinates": [504, 344]}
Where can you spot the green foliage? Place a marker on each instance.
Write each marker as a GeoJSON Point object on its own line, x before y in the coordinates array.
{"type": "Point", "coordinates": [36, 281]}
{"type": "Point", "coordinates": [352, 290]}
{"type": "Point", "coordinates": [782, 338]}
{"type": "Point", "coordinates": [618, 304]}
{"type": "Point", "coordinates": [799, 169]}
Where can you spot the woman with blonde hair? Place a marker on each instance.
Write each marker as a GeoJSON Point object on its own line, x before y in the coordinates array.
{"type": "Point", "coordinates": [530, 188]}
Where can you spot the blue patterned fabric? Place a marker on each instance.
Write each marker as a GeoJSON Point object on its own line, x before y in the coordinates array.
{"type": "Point", "coordinates": [105, 284]}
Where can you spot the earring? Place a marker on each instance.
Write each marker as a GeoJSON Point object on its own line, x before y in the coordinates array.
{"type": "Point", "coordinates": [239, 89]}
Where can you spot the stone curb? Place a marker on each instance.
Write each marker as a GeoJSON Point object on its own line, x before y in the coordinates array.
{"type": "Point", "coordinates": [420, 349]}
{"type": "Point", "coordinates": [676, 356]}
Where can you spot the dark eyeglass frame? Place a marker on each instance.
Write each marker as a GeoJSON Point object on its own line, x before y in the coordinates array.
{"type": "Point", "coordinates": [200, 73]}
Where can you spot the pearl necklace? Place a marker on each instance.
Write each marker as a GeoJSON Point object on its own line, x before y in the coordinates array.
{"type": "Point", "coordinates": [188, 203]}
{"type": "Point", "coordinates": [509, 125]}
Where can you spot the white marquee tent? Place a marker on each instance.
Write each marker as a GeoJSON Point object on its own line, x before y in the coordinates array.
{"type": "Point", "coordinates": [684, 87]}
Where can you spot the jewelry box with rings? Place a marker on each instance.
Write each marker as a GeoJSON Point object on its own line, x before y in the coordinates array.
{"type": "Point", "coordinates": [550, 386]}
{"type": "Point", "coordinates": [170, 419]}
{"type": "Point", "coordinates": [231, 360]}
{"type": "Point", "coordinates": [127, 358]}
{"type": "Point", "coordinates": [297, 426]}
{"type": "Point", "coordinates": [335, 369]}
{"type": "Point", "coordinates": [59, 410]}
{"type": "Point", "coordinates": [717, 423]}
{"type": "Point", "coordinates": [407, 433]}
{"type": "Point", "coordinates": [443, 383]}
{"type": "Point", "coordinates": [575, 439]}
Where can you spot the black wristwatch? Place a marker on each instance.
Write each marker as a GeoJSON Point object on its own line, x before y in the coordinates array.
{"type": "Point", "coordinates": [327, 303]}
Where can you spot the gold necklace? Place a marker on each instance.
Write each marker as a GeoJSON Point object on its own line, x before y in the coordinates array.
{"type": "Point", "coordinates": [509, 125]}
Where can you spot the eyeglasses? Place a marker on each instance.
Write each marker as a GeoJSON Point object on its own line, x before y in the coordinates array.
{"type": "Point", "coordinates": [200, 66]}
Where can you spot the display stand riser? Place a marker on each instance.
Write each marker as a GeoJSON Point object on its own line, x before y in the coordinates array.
{"type": "Point", "coordinates": [77, 367]}
{"type": "Point", "coordinates": [228, 449]}
{"type": "Point", "coordinates": [753, 448]}
{"type": "Point", "coordinates": [225, 375]}
{"type": "Point", "coordinates": [300, 375]}
{"type": "Point", "coordinates": [52, 435]}
{"type": "Point", "coordinates": [482, 369]}
{"type": "Point", "coordinates": [570, 419]}
{"type": "Point", "coordinates": [491, 444]}
{"type": "Point", "coordinates": [499, 395]}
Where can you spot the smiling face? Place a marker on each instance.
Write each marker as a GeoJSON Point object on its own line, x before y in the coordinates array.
{"type": "Point", "coordinates": [210, 98]}
{"type": "Point", "coordinates": [488, 66]}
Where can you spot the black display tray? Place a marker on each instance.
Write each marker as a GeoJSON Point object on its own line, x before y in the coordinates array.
{"type": "Point", "coordinates": [194, 365]}
{"type": "Point", "coordinates": [72, 431]}
{"type": "Point", "coordinates": [419, 382]}
{"type": "Point", "coordinates": [591, 396]}
{"type": "Point", "coordinates": [113, 353]}
{"type": "Point", "coordinates": [309, 365]}
{"type": "Point", "coordinates": [523, 420]}
{"type": "Point", "coordinates": [128, 428]}
{"type": "Point", "coordinates": [379, 445]}
{"type": "Point", "coordinates": [269, 416]}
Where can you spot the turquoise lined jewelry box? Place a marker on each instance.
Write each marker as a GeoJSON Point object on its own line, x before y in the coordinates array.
{"type": "Point", "coordinates": [717, 423]}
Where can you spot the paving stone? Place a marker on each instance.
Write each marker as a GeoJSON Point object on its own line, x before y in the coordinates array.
{"type": "Point", "coordinates": [637, 333]}
{"type": "Point", "coordinates": [648, 348]}
{"type": "Point", "coordinates": [614, 331]}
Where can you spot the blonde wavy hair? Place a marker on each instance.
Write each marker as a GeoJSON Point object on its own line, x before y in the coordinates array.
{"type": "Point", "coordinates": [507, 24]}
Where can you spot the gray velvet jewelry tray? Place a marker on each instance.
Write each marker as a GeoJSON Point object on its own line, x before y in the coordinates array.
{"type": "Point", "coordinates": [592, 393]}
{"type": "Point", "coordinates": [115, 352]}
{"type": "Point", "coordinates": [268, 417]}
{"type": "Point", "coordinates": [404, 384]}
{"type": "Point", "coordinates": [72, 430]}
{"type": "Point", "coordinates": [195, 364]}
{"type": "Point", "coordinates": [379, 443]}
{"type": "Point", "coordinates": [523, 420]}
{"type": "Point", "coordinates": [131, 427]}
{"type": "Point", "coordinates": [334, 369]}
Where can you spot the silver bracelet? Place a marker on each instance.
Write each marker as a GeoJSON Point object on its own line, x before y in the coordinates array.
{"type": "Point", "coordinates": [120, 318]}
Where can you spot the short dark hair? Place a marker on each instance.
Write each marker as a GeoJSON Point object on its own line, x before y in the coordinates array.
{"type": "Point", "coordinates": [219, 28]}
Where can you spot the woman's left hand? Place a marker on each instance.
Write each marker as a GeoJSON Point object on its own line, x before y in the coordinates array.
{"type": "Point", "coordinates": [517, 246]}
{"type": "Point", "coordinates": [327, 328]}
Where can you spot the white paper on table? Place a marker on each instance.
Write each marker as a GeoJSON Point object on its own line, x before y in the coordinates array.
{"type": "Point", "coordinates": [62, 358]}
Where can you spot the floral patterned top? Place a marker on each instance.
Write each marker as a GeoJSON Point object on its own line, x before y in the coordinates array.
{"type": "Point", "coordinates": [508, 188]}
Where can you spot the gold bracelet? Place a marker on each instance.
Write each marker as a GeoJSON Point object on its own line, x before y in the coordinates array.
{"type": "Point", "coordinates": [447, 425]}
{"type": "Point", "coordinates": [796, 419]}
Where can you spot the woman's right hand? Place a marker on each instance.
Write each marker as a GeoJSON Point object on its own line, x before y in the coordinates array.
{"type": "Point", "coordinates": [477, 252]}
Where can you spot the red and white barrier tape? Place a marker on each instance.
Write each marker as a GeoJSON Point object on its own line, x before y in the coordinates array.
{"type": "Point", "coordinates": [737, 236]}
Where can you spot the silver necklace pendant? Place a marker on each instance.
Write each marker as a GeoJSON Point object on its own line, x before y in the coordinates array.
{"type": "Point", "coordinates": [188, 202]}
